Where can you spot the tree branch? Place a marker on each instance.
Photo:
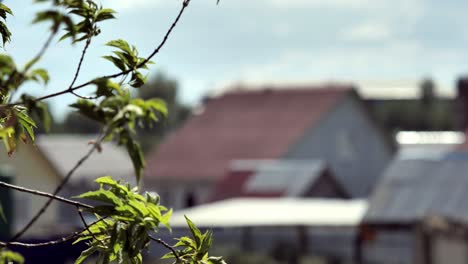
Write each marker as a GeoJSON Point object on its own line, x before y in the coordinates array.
{"type": "Point", "coordinates": [87, 226]}
{"type": "Point", "coordinates": [51, 196]}
{"type": "Point", "coordinates": [50, 243]}
{"type": "Point", "coordinates": [115, 75]}
{"type": "Point", "coordinates": [166, 245]}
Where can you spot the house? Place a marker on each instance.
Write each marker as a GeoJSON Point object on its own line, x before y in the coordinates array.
{"type": "Point", "coordinates": [44, 165]}
{"type": "Point", "coordinates": [278, 178]}
{"type": "Point", "coordinates": [414, 198]}
{"type": "Point", "coordinates": [328, 123]}
{"type": "Point", "coordinates": [291, 226]}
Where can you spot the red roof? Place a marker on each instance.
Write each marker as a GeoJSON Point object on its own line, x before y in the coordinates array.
{"type": "Point", "coordinates": [242, 124]}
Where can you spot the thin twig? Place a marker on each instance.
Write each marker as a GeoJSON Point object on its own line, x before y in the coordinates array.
{"type": "Point", "coordinates": [166, 245]}
{"type": "Point", "coordinates": [87, 227]}
{"type": "Point", "coordinates": [115, 75]}
{"type": "Point", "coordinates": [51, 196]}
{"type": "Point", "coordinates": [36, 58]}
{"type": "Point", "coordinates": [50, 243]}
{"type": "Point", "coordinates": [78, 68]}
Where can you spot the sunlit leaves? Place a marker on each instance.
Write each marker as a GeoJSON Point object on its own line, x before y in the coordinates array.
{"type": "Point", "coordinates": [121, 114]}
{"type": "Point", "coordinates": [104, 14]}
{"type": "Point", "coordinates": [126, 59]}
{"type": "Point", "coordinates": [88, 14]}
{"type": "Point", "coordinates": [130, 219]}
{"type": "Point", "coordinates": [4, 31]}
{"type": "Point", "coordinates": [10, 257]}
{"type": "Point", "coordinates": [194, 250]}
{"type": "Point", "coordinates": [38, 110]}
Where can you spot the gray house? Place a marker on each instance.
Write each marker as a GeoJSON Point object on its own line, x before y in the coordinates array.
{"type": "Point", "coordinates": [418, 214]}
{"type": "Point", "coordinates": [328, 123]}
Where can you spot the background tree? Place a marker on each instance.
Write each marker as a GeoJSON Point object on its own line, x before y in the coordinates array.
{"type": "Point", "coordinates": [164, 87]}
{"type": "Point", "coordinates": [126, 220]}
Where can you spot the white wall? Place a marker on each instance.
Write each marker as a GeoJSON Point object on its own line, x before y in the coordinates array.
{"type": "Point", "coordinates": [32, 171]}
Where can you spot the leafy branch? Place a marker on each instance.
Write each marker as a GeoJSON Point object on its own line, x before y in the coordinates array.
{"type": "Point", "coordinates": [125, 217]}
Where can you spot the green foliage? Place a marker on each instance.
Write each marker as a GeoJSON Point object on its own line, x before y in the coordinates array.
{"type": "Point", "coordinates": [127, 219]}
{"type": "Point", "coordinates": [194, 250]}
{"type": "Point", "coordinates": [10, 257]}
{"type": "Point", "coordinates": [4, 31]}
{"type": "Point", "coordinates": [121, 114]}
{"type": "Point", "coordinates": [126, 59]}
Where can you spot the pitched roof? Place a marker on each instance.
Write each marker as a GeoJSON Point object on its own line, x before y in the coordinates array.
{"type": "Point", "coordinates": [242, 124]}
{"type": "Point", "coordinates": [64, 151]}
{"type": "Point", "coordinates": [265, 178]}
{"type": "Point", "coordinates": [413, 189]}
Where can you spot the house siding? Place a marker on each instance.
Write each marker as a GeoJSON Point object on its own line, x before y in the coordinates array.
{"type": "Point", "coordinates": [174, 194]}
{"type": "Point", "coordinates": [355, 150]}
{"type": "Point", "coordinates": [32, 171]}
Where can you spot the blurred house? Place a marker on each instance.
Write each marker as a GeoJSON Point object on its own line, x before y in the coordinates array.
{"type": "Point", "coordinates": [399, 226]}
{"type": "Point", "coordinates": [44, 165]}
{"type": "Point", "coordinates": [286, 228]}
{"type": "Point", "coordinates": [269, 178]}
{"type": "Point", "coordinates": [327, 123]}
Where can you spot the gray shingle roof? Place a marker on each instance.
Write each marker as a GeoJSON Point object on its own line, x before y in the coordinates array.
{"type": "Point", "coordinates": [63, 151]}
{"type": "Point", "coordinates": [413, 189]}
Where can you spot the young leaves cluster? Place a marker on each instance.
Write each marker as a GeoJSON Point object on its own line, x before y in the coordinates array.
{"type": "Point", "coordinates": [194, 250]}
{"type": "Point", "coordinates": [10, 257]}
{"type": "Point", "coordinates": [126, 59]}
{"type": "Point", "coordinates": [15, 121]}
{"type": "Point", "coordinates": [130, 218]}
{"type": "Point", "coordinates": [87, 12]}
{"type": "Point", "coordinates": [121, 114]}
{"type": "Point", "coordinates": [6, 34]}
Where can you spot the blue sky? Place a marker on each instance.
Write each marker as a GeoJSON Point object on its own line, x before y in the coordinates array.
{"type": "Point", "coordinates": [267, 41]}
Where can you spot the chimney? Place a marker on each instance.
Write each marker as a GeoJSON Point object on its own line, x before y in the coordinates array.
{"type": "Point", "coordinates": [462, 103]}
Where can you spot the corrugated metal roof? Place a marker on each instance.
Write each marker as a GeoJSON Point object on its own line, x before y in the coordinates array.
{"type": "Point", "coordinates": [269, 178]}
{"type": "Point", "coordinates": [292, 178]}
{"type": "Point", "coordinates": [413, 189]}
{"type": "Point", "coordinates": [64, 151]}
{"type": "Point", "coordinates": [274, 212]}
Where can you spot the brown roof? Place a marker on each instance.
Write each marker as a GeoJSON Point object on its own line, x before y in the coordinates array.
{"type": "Point", "coordinates": [241, 124]}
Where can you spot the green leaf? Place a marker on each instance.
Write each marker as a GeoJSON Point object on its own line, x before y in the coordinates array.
{"type": "Point", "coordinates": [85, 254]}
{"type": "Point", "coordinates": [42, 74]}
{"type": "Point", "coordinates": [158, 105]}
{"type": "Point", "coordinates": [137, 79]}
{"type": "Point", "coordinates": [117, 62]}
{"type": "Point", "coordinates": [104, 14]}
{"type": "Point", "coordinates": [2, 214]}
{"type": "Point", "coordinates": [195, 231]}
{"type": "Point", "coordinates": [5, 32]}
{"type": "Point", "coordinates": [101, 195]}
{"type": "Point", "coordinates": [10, 257]}
{"type": "Point", "coordinates": [165, 219]}
{"type": "Point", "coordinates": [120, 44]}
{"type": "Point", "coordinates": [207, 240]}
{"type": "Point", "coordinates": [136, 155]}
{"type": "Point", "coordinates": [5, 9]}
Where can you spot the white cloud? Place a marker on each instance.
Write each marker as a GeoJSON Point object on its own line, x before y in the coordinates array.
{"type": "Point", "coordinates": [368, 32]}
